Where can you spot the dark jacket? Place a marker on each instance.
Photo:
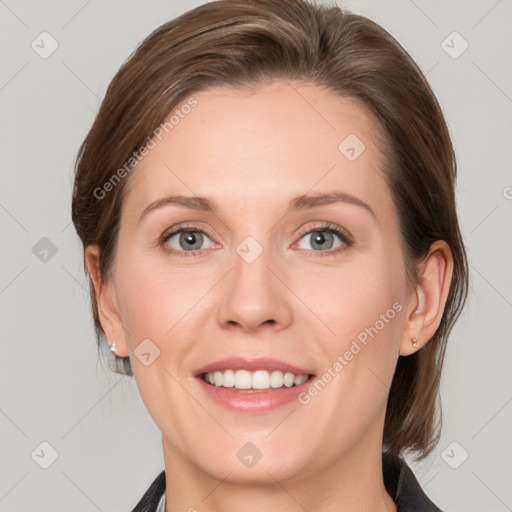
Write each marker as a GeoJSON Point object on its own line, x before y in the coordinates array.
{"type": "Point", "coordinates": [400, 482]}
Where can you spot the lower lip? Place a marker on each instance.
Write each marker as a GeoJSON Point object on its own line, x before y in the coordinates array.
{"type": "Point", "coordinates": [253, 401]}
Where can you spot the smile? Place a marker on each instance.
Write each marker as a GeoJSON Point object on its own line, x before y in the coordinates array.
{"type": "Point", "coordinates": [252, 384]}
{"type": "Point", "coordinates": [244, 380]}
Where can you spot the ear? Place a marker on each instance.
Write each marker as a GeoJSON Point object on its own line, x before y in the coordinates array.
{"type": "Point", "coordinates": [427, 301]}
{"type": "Point", "coordinates": [108, 309]}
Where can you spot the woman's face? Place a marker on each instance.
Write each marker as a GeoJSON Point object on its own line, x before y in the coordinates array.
{"type": "Point", "coordinates": [262, 275]}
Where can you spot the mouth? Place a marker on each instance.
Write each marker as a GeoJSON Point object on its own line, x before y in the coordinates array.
{"type": "Point", "coordinates": [245, 381]}
{"type": "Point", "coordinates": [252, 385]}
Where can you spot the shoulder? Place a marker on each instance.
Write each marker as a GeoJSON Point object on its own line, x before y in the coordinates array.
{"type": "Point", "coordinates": [149, 502]}
{"type": "Point", "coordinates": [403, 487]}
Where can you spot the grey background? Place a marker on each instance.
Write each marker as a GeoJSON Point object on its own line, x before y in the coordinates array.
{"type": "Point", "coordinates": [51, 386]}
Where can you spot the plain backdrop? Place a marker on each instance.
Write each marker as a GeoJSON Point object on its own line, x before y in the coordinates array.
{"type": "Point", "coordinates": [103, 447]}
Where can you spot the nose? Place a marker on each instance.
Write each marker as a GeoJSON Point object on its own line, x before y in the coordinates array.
{"type": "Point", "coordinates": [254, 297]}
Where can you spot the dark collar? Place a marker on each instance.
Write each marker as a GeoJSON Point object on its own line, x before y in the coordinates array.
{"type": "Point", "coordinates": [400, 482]}
{"type": "Point", "coordinates": [402, 486]}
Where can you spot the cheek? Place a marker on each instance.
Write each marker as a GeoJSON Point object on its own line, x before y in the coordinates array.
{"type": "Point", "coordinates": [349, 299]}
{"type": "Point", "coordinates": [361, 305]}
{"type": "Point", "coordinates": [153, 299]}
{"type": "Point", "coordinates": [155, 304]}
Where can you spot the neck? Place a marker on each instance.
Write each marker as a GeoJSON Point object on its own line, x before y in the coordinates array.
{"type": "Point", "coordinates": [353, 483]}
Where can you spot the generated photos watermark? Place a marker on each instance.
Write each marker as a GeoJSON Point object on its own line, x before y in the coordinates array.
{"type": "Point", "coordinates": [150, 144]}
{"type": "Point", "coordinates": [356, 346]}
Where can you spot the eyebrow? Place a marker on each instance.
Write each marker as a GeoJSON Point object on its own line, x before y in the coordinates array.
{"type": "Point", "coordinates": [310, 201]}
{"type": "Point", "coordinates": [299, 203]}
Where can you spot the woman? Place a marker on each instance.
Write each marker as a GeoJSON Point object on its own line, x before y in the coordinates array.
{"type": "Point", "coordinates": [266, 205]}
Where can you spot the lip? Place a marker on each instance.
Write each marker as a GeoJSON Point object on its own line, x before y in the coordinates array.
{"type": "Point", "coordinates": [251, 364]}
{"type": "Point", "coordinates": [253, 401]}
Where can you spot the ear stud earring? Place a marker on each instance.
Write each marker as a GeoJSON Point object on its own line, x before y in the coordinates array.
{"type": "Point", "coordinates": [113, 348]}
{"type": "Point", "coordinates": [414, 342]}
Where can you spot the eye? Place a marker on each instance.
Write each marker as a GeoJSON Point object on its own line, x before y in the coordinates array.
{"type": "Point", "coordinates": [326, 239]}
{"type": "Point", "coordinates": [183, 240]}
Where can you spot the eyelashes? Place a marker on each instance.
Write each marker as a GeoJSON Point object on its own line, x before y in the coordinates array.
{"type": "Point", "coordinates": [185, 230]}
{"type": "Point", "coordinates": [345, 238]}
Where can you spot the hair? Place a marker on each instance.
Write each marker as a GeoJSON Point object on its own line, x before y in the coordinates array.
{"type": "Point", "coordinates": [248, 43]}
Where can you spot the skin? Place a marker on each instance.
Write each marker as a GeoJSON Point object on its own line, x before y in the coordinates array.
{"type": "Point", "coordinates": [251, 152]}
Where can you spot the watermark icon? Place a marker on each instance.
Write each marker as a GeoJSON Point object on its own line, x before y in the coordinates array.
{"type": "Point", "coordinates": [44, 45]}
{"type": "Point", "coordinates": [454, 455]}
{"type": "Point", "coordinates": [249, 455]}
{"type": "Point", "coordinates": [44, 249]}
{"type": "Point", "coordinates": [44, 455]}
{"type": "Point", "coordinates": [507, 192]}
{"type": "Point", "coordinates": [454, 45]}
{"type": "Point", "coordinates": [137, 156]}
{"type": "Point", "coordinates": [146, 352]}
{"type": "Point", "coordinates": [351, 147]}
{"type": "Point", "coordinates": [249, 249]}
{"type": "Point", "coordinates": [343, 360]}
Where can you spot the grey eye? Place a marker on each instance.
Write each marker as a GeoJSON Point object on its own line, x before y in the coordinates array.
{"type": "Point", "coordinates": [188, 240]}
{"type": "Point", "coordinates": [321, 239]}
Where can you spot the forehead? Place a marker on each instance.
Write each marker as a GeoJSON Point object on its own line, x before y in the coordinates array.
{"type": "Point", "coordinates": [262, 146]}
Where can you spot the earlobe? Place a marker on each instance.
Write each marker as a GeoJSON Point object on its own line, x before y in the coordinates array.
{"type": "Point", "coordinates": [108, 310]}
{"type": "Point", "coordinates": [428, 302]}
{"type": "Point", "coordinates": [411, 340]}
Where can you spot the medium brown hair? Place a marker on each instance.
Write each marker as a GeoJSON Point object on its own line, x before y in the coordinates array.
{"type": "Point", "coordinates": [244, 43]}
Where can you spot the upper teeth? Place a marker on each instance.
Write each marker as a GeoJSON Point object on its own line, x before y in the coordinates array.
{"type": "Point", "coordinates": [259, 379]}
